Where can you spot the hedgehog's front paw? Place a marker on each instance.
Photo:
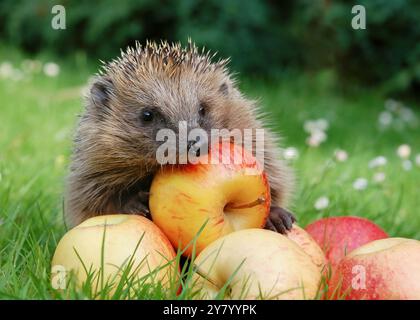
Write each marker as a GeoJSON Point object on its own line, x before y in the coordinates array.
{"type": "Point", "coordinates": [139, 204]}
{"type": "Point", "coordinates": [280, 220]}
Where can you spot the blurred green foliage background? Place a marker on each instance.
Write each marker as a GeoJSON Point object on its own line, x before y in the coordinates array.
{"type": "Point", "coordinates": [267, 38]}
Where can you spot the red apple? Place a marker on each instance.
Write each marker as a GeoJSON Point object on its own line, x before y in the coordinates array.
{"type": "Point", "coordinates": [223, 197]}
{"type": "Point", "coordinates": [338, 236]}
{"type": "Point", "coordinates": [380, 270]}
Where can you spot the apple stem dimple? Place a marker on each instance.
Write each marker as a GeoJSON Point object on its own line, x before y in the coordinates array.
{"type": "Point", "coordinates": [257, 202]}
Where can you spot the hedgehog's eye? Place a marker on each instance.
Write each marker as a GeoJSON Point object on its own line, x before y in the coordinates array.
{"type": "Point", "coordinates": [202, 110]}
{"type": "Point", "coordinates": [147, 116]}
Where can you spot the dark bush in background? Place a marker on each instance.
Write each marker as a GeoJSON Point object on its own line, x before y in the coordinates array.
{"type": "Point", "coordinates": [387, 52]}
{"type": "Point", "coordinates": [263, 37]}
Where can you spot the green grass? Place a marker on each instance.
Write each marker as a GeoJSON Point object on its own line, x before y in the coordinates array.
{"type": "Point", "coordinates": [38, 116]}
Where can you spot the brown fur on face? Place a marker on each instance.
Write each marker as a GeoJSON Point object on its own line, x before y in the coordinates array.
{"type": "Point", "coordinates": [115, 148]}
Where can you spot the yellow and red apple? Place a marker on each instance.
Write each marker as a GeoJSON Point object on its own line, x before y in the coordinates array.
{"type": "Point", "coordinates": [210, 199]}
{"type": "Point", "coordinates": [338, 236]}
{"type": "Point", "coordinates": [380, 270]}
{"type": "Point", "coordinates": [255, 264]}
{"type": "Point", "coordinates": [104, 247]}
{"type": "Point", "coordinates": [305, 241]}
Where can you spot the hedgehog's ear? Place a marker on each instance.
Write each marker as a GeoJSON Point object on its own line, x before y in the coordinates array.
{"type": "Point", "coordinates": [100, 91]}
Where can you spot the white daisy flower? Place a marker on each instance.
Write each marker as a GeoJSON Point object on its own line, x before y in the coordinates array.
{"type": "Point", "coordinates": [407, 165]}
{"type": "Point", "coordinates": [320, 135]}
{"type": "Point", "coordinates": [290, 153]}
{"type": "Point", "coordinates": [404, 151]}
{"type": "Point", "coordinates": [321, 203]}
{"type": "Point", "coordinates": [378, 162]}
{"type": "Point", "coordinates": [391, 105]}
{"type": "Point", "coordinates": [6, 70]}
{"type": "Point", "coordinates": [407, 114]}
{"type": "Point", "coordinates": [418, 159]}
{"type": "Point", "coordinates": [51, 69]}
{"type": "Point", "coordinates": [379, 177]}
{"type": "Point", "coordinates": [312, 142]}
{"type": "Point", "coordinates": [341, 155]}
{"type": "Point", "coordinates": [322, 124]}
{"type": "Point", "coordinates": [360, 184]}
{"type": "Point", "coordinates": [316, 138]}
{"type": "Point", "coordinates": [385, 118]}
{"type": "Point", "coordinates": [309, 126]}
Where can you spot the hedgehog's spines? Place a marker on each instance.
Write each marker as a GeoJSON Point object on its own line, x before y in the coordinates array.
{"type": "Point", "coordinates": [165, 56]}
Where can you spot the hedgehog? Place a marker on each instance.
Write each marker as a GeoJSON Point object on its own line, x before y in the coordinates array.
{"type": "Point", "coordinates": [147, 88]}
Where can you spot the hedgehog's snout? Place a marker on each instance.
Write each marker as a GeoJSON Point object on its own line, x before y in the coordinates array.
{"type": "Point", "coordinates": [194, 146]}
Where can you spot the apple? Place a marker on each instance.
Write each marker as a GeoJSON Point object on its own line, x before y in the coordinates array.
{"type": "Point", "coordinates": [214, 198]}
{"type": "Point", "coordinates": [380, 270]}
{"type": "Point", "coordinates": [123, 239]}
{"type": "Point", "coordinates": [255, 264]}
{"type": "Point", "coordinates": [338, 236]}
{"type": "Point", "coordinates": [304, 240]}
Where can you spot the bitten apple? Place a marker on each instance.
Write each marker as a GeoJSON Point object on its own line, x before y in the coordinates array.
{"type": "Point", "coordinates": [114, 242]}
{"type": "Point", "coordinates": [304, 240]}
{"type": "Point", "coordinates": [338, 236]}
{"type": "Point", "coordinates": [380, 270]}
{"type": "Point", "coordinates": [255, 264]}
{"type": "Point", "coordinates": [217, 199]}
